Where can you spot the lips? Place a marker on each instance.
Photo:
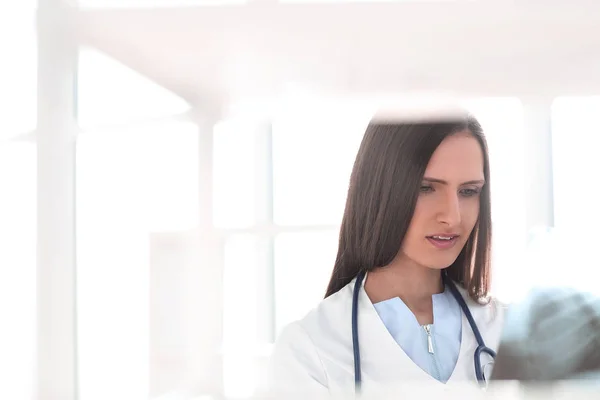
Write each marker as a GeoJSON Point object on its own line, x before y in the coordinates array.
{"type": "Point", "coordinates": [443, 241]}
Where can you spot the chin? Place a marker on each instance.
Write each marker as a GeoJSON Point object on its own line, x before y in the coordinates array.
{"type": "Point", "coordinates": [440, 264]}
{"type": "Point", "coordinates": [439, 267]}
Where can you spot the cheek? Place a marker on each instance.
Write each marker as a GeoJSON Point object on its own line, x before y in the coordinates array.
{"type": "Point", "coordinates": [470, 215]}
{"type": "Point", "coordinates": [417, 225]}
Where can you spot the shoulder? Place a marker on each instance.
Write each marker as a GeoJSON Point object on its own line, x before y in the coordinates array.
{"type": "Point", "coordinates": [296, 362]}
{"type": "Point", "coordinates": [295, 346]}
{"type": "Point", "coordinates": [496, 309]}
{"type": "Point", "coordinates": [489, 316]}
{"type": "Point", "coordinates": [324, 320]}
{"type": "Point", "coordinates": [488, 311]}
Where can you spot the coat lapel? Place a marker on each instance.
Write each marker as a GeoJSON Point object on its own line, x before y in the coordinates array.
{"type": "Point", "coordinates": [382, 359]}
{"type": "Point", "coordinates": [383, 362]}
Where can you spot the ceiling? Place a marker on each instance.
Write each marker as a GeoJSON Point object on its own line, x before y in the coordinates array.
{"type": "Point", "coordinates": [540, 48]}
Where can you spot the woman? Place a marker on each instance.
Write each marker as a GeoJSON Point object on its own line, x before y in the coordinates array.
{"type": "Point", "coordinates": [417, 225]}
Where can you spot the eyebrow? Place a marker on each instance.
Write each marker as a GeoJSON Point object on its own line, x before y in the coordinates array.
{"type": "Point", "coordinates": [473, 182]}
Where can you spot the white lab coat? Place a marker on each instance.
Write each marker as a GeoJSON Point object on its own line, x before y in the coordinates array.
{"type": "Point", "coordinates": [313, 357]}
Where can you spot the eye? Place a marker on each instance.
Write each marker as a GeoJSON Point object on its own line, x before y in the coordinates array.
{"type": "Point", "coordinates": [426, 188]}
{"type": "Point", "coordinates": [470, 192]}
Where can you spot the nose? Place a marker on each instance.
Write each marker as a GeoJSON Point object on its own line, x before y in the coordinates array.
{"type": "Point", "coordinates": [449, 211]}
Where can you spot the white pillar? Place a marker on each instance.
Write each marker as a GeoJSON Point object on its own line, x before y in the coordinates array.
{"type": "Point", "coordinates": [263, 204]}
{"type": "Point", "coordinates": [56, 316]}
{"type": "Point", "coordinates": [208, 361]}
{"type": "Point", "coordinates": [265, 291]}
{"type": "Point", "coordinates": [538, 154]}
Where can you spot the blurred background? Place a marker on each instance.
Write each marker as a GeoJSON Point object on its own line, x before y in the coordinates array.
{"type": "Point", "coordinates": [174, 172]}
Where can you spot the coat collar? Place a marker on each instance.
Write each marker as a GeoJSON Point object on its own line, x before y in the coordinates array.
{"type": "Point", "coordinates": [380, 354]}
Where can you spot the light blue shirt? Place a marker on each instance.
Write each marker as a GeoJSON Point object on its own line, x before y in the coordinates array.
{"type": "Point", "coordinates": [445, 333]}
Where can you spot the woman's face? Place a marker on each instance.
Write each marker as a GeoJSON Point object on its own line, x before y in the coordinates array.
{"type": "Point", "coordinates": [448, 205]}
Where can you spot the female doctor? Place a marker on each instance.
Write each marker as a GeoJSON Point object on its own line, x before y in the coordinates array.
{"type": "Point", "coordinates": [408, 300]}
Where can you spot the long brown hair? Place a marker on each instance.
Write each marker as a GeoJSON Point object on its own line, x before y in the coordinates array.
{"type": "Point", "coordinates": [382, 196]}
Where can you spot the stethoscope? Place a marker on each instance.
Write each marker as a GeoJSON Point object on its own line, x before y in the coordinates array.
{"type": "Point", "coordinates": [481, 347]}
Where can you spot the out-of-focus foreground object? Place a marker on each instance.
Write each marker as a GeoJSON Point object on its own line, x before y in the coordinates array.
{"type": "Point", "coordinates": [553, 334]}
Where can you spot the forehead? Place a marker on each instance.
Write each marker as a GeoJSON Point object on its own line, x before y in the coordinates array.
{"type": "Point", "coordinates": [458, 158]}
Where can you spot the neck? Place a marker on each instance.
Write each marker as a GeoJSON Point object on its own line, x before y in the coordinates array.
{"type": "Point", "coordinates": [413, 283]}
